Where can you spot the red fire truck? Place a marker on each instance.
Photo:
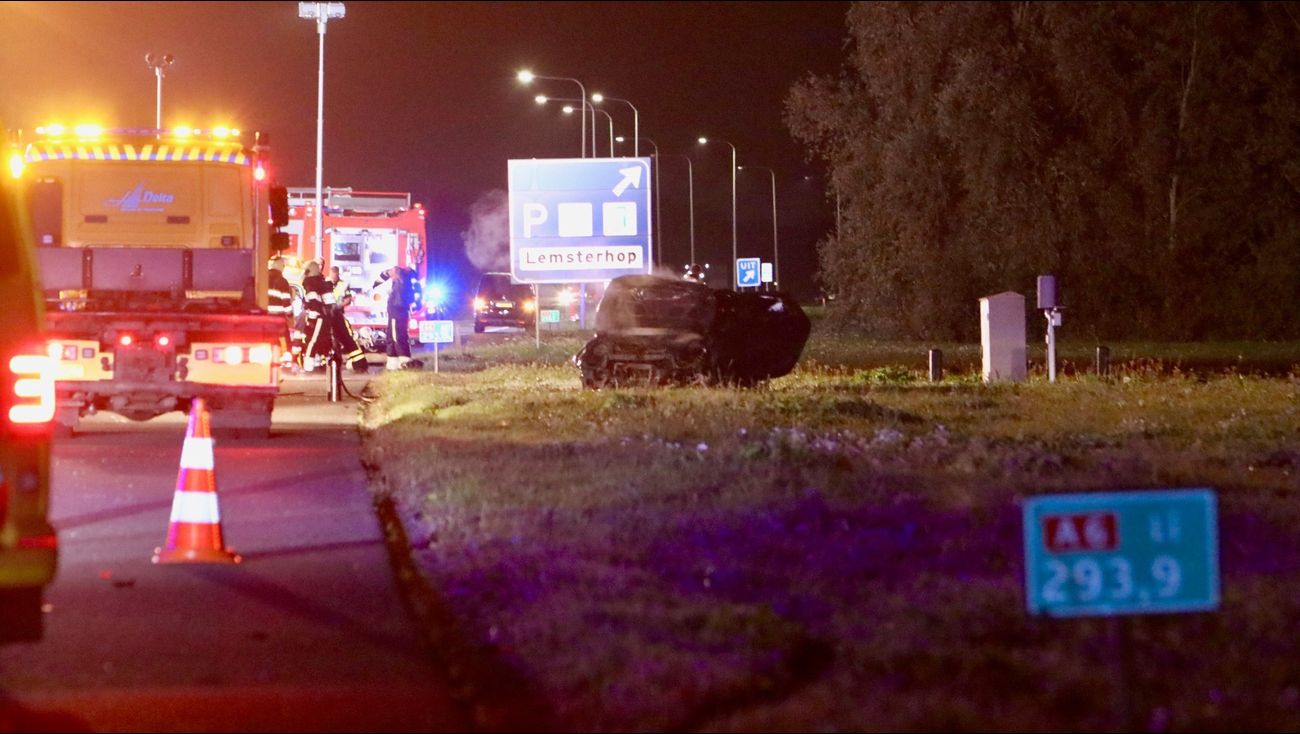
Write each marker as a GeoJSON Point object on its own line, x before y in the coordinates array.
{"type": "Point", "coordinates": [366, 233]}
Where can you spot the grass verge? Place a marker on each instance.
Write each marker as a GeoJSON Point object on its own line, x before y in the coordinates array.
{"type": "Point", "coordinates": [840, 548]}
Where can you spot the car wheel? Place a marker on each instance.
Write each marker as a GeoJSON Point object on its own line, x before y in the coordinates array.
{"type": "Point", "coordinates": [478, 328]}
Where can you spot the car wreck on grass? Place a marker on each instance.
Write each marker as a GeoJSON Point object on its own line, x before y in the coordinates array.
{"type": "Point", "coordinates": [652, 331]}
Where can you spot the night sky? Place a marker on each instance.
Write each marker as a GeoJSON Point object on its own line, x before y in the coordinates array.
{"type": "Point", "coordinates": [422, 97]}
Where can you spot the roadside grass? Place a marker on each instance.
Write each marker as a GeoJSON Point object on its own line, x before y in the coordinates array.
{"type": "Point", "coordinates": [840, 548]}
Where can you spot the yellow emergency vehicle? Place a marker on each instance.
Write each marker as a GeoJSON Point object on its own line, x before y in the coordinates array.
{"type": "Point", "coordinates": [28, 545]}
{"type": "Point", "coordinates": [152, 247]}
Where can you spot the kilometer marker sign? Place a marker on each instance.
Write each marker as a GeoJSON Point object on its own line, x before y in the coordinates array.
{"type": "Point", "coordinates": [1138, 552]}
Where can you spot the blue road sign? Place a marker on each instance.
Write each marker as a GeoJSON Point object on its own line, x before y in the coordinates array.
{"type": "Point", "coordinates": [1143, 552]}
{"type": "Point", "coordinates": [747, 272]}
{"type": "Point", "coordinates": [575, 220]}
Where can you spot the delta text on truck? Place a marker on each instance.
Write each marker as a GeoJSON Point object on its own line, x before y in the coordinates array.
{"type": "Point", "coordinates": [152, 247]}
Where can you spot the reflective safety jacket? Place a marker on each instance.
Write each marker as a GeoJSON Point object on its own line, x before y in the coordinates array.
{"type": "Point", "coordinates": [318, 297]}
{"type": "Point", "coordinates": [280, 294]}
{"type": "Point", "coordinates": [319, 303]}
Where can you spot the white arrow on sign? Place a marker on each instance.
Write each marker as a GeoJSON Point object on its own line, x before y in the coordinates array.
{"type": "Point", "coordinates": [631, 176]}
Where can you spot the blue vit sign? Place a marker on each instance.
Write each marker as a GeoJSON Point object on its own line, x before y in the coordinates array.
{"type": "Point", "coordinates": [747, 272]}
{"type": "Point", "coordinates": [575, 220]}
{"type": "Point", "coordinates": [1143, 552]}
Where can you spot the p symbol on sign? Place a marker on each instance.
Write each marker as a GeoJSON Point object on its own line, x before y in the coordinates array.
{"type": "Point", "coordinates": [534, 214]}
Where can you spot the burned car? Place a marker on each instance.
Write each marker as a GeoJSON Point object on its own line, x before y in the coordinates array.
{"type": "Point", "coordinates": [652, 330]}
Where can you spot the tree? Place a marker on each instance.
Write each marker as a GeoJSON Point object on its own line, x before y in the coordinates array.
{"type": "Point", "coordinates": [1145, 153]}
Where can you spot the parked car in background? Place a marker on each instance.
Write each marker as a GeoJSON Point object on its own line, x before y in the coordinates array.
{"type": "Point", "coordinates": [499, 301]}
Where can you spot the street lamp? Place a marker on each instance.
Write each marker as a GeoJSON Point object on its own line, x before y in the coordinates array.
{"type": "Point", "coordinates": [659, 258]}
{"type": "Point", "coordinates": [636, 120]}
{"type": "Point", "coordinates": [159, 65]}
{"type": "Point", "coordinates": [542, 99]}
{"type": "Point", "coordinates": [690, 183]}
{"type": "Point", "coordinates": [690, 188]}
{"type": "Point", "coordinates": [776, 250]}
{"type": "Point", "coordinates": [526, 77]}
{"type": "Point", "coordinates": [568, 109]}
{"type": "Point", "coordinates": [704, 141]}
{"type": "Point", "coordinates": [321, 13]}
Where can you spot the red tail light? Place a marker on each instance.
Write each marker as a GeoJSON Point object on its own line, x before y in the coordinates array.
{"type": "Point", "coordinates": [33, 389]}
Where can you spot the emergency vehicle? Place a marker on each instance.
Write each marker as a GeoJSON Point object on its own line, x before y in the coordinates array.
{"type": "Point", "coordinates": [28, 544]}
{"type": "Point", "coordinates": [366, 233]}
{"type": "Point", "coordinates": [152, 247]}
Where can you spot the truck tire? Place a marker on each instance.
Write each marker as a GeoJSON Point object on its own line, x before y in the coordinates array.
{"type": "Point", "coordinates": [21, 611]}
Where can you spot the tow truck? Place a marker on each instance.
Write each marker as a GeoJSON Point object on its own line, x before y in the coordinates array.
{"type": "Point", "coordinates": [152, 247]}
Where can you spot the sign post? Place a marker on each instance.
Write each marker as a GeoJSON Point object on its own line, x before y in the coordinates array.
{"type": "Point", "coordinates": [437, 333]}
{"type": "Point", "coordinates": [748, 272]}
{"type": "Point", "coordinates": [1122, 553]}
{"type": "Point", "coordinates": [579, 220]}
{"type": "Point", "coordinates": [1146, 552]}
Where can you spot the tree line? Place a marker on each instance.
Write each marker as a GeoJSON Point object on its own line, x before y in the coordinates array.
{"type": "Point", "coordinates": [1146, 154]}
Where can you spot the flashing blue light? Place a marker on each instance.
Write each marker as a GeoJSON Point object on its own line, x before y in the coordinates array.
{"type": "Point", "coordinates": [436, 294]}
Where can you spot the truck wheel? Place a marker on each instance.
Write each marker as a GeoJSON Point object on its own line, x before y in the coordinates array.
{"type": "Point", "coordinates": [21, 611]}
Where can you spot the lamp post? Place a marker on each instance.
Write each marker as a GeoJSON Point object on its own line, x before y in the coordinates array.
{"type": "Point", "coordinates": [159, 64]}
{"type": "Point", "coordinates": [659, 258]}
{"type": "Point", "coordinates": [690, 189]}
{"type": "Point", "coordinates": [527, 76]}
{"type": "Point", "coordinates": [636, 120]}
{"type": "Point", "coordinates": [321, 13]}
{"type": "Point", "coordinates": [704, 141]}
{"type": "Point", "coordinates": [542, 99]}
{"type": "Point", "coordinates": [568, 110]}
{"type": "Point", "coordinates": [690, 184]}
{"type": "Point", "coordinates": [776, 250]}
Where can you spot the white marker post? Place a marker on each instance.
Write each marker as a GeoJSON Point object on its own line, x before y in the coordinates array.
{"type": "Point", "coordinates": [1047, 304]}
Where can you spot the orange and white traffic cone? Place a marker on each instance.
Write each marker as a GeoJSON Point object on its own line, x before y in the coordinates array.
{"type": "Point", "coordinates": [195, 532]}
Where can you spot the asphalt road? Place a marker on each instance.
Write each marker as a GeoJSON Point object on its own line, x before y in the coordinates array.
{"type": "Point", "coordinates": [308, 633]}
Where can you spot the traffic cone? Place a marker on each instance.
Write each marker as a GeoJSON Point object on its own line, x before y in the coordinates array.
{"type": "Point", "coordinates": [195, 532]}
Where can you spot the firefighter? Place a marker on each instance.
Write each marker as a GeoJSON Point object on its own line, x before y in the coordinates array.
{"type": "Point", "coordinates": [318, 299]}
{"type": "Point", "coordinates": [280, 302]}
{"type": "Point", "coordinates": [298, 334]}
{"type": "Point", "coordinates": [400, 299]}
{"type": "Point", "coordinates": [340, 330]}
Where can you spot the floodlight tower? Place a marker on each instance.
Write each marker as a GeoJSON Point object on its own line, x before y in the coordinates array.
{"type": "Point", "coordinates": [159, 64]}
{"type": "Point", "coordinates": [321, 13]}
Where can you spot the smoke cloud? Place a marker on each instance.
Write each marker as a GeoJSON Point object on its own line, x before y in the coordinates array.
{"type": "Point", "coordinates": [487, 241]}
